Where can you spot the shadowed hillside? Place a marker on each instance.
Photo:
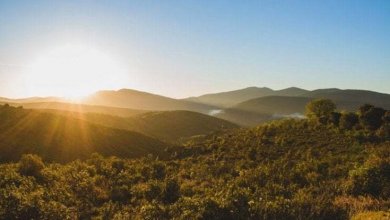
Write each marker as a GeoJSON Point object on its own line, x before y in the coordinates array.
{"type": "Point", "coordinates": [255, 111]}
{"type": "Point", "coordinates": [259, 110]}
{"type": "Point", "coordinates": [169, 126]}
{"type": "Point", "coordinates": [354, 97]}
{"type": "Point", "coordinates": [274, 105]}
{"type": "Point", "coordinates": [61, 138]}
{"type": "Point", "coordinates": [226, 99]}
{"type": "Point", "coordinates": [346, 99]}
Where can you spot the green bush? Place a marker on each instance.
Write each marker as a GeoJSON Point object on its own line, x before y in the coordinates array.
{"type": "Point", "coordinates": [31, 165]}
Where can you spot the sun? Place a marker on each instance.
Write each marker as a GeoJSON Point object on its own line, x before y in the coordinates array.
{"type": "Point", "coordinates": [73, 71]}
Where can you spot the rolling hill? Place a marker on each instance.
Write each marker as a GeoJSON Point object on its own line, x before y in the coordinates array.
{"type": "Point", "coordinates": [351, 99]}
{"type": "Point", "coordinates": [274, 105]}
{"type": "Point", "coordinates": [62, 138]}
{"type": "Point", "coordinates": [249, 106]}
{"type": "Point", "coordinates": [169, 126]}
{"type": "Point", "coordinates": [258, 110]}
{"type": "Point", "coordinates": [348, 99]}
{"type": "Point", "coordinates": [127, 98]}
{"type": "Point", "coordinates": [226, 99]}
{"type": "Point", "coordinates": [79, 108]}
{"type": "Point", "coordinates": [32, 100]}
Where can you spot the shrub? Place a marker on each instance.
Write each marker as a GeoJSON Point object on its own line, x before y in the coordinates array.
{"type": "Point", "coordinates": [320, 109]}
{"type": "Point", "coordinates": [348, 120]}
{"type": "Point", "coordinates": [31, 165]}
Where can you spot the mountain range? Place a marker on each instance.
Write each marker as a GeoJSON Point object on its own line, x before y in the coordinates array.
{"type": "Point", "coordinates": [247, 107]}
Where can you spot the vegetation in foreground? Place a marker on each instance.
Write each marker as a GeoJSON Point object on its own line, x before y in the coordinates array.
{"type": "Point", "coordinates": [292, 169]}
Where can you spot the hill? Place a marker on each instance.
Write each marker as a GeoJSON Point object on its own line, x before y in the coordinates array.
{"type": "Point", "coordinates": [243, 118]}
{"type": "Point", "coordinates": [127, 98]}
{"type": "Point", "coordinates": [286, 170]}
{"type": "Point", "coordinates": [226, 99]}
{"type": "Point", "coordinates": [350, 99]}
{"type": "Point", "coordinates": [62, 138]}
{"type": "Point", "coordinates": [283, 105]}
{"type": "Point", "coordinates": [170, 126]}
{"type": "Point", "coordinates": [258, 110]}
{"type": "Point", "coordinates": [32, 100]}
{"type": "Point", "coordinates": [78, 108]}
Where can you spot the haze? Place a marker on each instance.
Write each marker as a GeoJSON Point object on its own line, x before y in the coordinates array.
{"type": "Point", "coordinates": [188, 48]}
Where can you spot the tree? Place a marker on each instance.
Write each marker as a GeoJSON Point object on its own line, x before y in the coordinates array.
{"type": "Point", "coordinates": [372, 178]}
{"type": "Point", "coordinates": [171, 191]}
{"type": "Point", "coordinates": [348, 120]}
{"type": "Point", "coordinates": [371, 118]}
{"type": "Point", "coordinates": [320, 109]}
{"type": "Point", "coordinates": [386, 117]}
{"type": "Point", "coordinates": [334, 118]}
{"type": "Point", "coordinates": [365, 108]}
{"type": "Point", "coordinates": [31, 165]}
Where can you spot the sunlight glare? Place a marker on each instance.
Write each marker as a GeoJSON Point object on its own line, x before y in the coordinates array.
{"type": "Point", "coordinates": [73, 71]}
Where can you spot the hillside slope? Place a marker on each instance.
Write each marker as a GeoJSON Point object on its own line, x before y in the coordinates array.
{"type": "Point", "coordinates": [286, 170]}
{"type": "Point", "coordinates": [348, 99]}
{"type": "Point", "coordinates": [127, 98]}
{"type": "Point", "coordinates": [258, 110]}
{"type": "Point", "coordinates": [351, 99]}
{"type": "Point", "coordinates": [170, 126]}
{"type": "Point", "coordinates": [79, 108]}
{"type": "Point", "coordinates": [226, 99]}
{"type": "Point", "coordinates": [61, 138]}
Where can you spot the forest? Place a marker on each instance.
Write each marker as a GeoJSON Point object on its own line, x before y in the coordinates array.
{"type": "Point", "coordinates": [330, 165]}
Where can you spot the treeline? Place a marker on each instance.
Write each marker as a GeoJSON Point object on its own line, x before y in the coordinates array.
{"type": "Point", "coordinates": [290, 169]}
{"type": "Point", "coordinates": [369, 122]}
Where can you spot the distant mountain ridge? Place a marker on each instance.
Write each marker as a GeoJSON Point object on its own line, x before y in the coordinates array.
{"type": "Point", "coordinates": [128, 98]}
{"type": "Point", "coordinates": [246, 106]}
{"type": "Point", "coordinates": [230, 98]}
{"type": "Point", "coordinates": [258, 110]}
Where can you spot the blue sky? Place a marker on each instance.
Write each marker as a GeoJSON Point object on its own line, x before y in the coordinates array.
{"type": "Point", "coordinates": [185, 48]}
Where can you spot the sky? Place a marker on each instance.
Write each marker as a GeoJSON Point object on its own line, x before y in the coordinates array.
{"type": "Point", "coordinates": [188, 48]}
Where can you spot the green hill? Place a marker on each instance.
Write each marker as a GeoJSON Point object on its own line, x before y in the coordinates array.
{"type": "Point", "coordinates": [170, 126]}
{"type": "Point", "coordinates": [58, 137]}
{"type": "Point", "coordinates": [294, 169]}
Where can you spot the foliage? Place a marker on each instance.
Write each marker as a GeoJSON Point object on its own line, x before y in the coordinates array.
{"type": "Point", "coordinates": [290, 169]}
{"type": "Point", "coordinates": [348, 120]}
{"type": "Point", "coordinates": [320, 109]}
{"type": "Point", "coordinates": [371, 117]}
{"type": "Point", "coordinates": [31, 165]}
